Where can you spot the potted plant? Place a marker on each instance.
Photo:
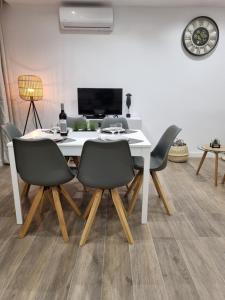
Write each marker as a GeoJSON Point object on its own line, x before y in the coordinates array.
{"type": "Point", "coordinates": [178, 151]}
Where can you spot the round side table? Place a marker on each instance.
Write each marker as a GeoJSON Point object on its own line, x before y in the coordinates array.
{"type": "Point", "coordinates": [216, 151]}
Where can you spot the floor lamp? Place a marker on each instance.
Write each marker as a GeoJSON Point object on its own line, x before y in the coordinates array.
{"type": "Point", "coordinates": [31, 89]}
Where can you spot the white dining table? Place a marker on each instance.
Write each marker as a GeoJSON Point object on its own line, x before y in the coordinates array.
{"type": "Point", "coordinates": [72, 146]}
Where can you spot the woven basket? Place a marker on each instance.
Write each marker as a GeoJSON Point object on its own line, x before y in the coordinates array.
{"type": "Point", "coordinates": [178, 154]}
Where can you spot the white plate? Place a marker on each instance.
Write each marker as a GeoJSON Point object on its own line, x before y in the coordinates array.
{"type": "Point", "coordinates": [113, 130]}
{"type": "Point", "coordinates": [44, 135]}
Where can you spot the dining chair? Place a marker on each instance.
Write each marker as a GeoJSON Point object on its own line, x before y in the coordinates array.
{"type": "Point", "coordinates": [158, 162]}
{"type": "Point", "coordinates": [77, 123]}
{"type": "Point", "coordinates": [11, 132]}
{"type": "Point", "coordinates": [71, 121]}
{"type": "Point", "coordinates": [105, 166]}
{"type": "Point", "coordinates": [40, 163]}
{"type": "Point", "coordinates": [107, 121]}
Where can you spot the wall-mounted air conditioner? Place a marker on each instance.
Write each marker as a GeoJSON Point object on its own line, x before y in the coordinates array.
{"type": "Point", "coordinates": [86, 18]}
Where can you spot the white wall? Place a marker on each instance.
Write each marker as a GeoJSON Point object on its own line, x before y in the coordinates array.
{"type": "Point", "coordinates": [143, 55]}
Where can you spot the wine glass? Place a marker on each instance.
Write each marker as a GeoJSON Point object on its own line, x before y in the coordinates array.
{"type": "Point", "coordinates": [112, 128]}
{"type": "Point", "coordinates": [118, 127]}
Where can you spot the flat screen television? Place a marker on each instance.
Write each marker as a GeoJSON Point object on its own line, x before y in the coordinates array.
{"type": "Point", "coordinates": [99, 102]}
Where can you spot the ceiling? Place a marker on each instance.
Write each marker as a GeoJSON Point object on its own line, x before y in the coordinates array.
{"type": "Point", "coordinates": [159, 3]}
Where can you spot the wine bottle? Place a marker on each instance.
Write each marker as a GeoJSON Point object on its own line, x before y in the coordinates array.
{"type": "Point", "coordinates": [63, 121]}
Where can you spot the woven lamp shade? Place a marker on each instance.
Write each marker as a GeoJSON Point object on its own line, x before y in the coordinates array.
{"type": "Point", "coordinates": [30, 87]}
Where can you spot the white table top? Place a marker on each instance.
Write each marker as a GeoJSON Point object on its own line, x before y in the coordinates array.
{"type": "Point", "coordinates": [80, 137]}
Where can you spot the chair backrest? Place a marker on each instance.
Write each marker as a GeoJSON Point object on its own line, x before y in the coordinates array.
{"type": "Point", "coordinates": [77, 123]}
{"type": "Point", "coordinates": [105, 165]}
{"type": "Point", "coordinates": [40, 162]}
{"type": "Point", "coordinates": [107, 121]}
{"type": "Point", "coordinates": [71, 121]}
{"type": "Point", "coordinates": [161, 150]}
{"type": "Point", "coordinates": [11, 131]}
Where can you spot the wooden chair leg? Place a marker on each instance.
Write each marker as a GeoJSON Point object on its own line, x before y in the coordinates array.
{"type": "Point", "coordinates": [201, 162]}
{"type": "Point", "coordinates": [31, 213]}
{"type": "Point", "coordinates": [156, 186]}
{"type": "Point", "coordinates": [119, 208]}
{"type": "Point", "coordinates": [25, 190]}
{"type": "Point", "coordinates": [124, 210]}
{"type": "Point", "coordinates": [42, 202]}
{"type": "Point", "coordinates": [216, 169]}
{"type": "Point", "coordinates": [84, 189]}
{"type": "Point", "coordinates": [161, 192]}
{"type": "Point", "coordinates": [88, 208]}
{"type": "Point", "coordinates": [134, 198]}
{"type": "Point", "coordinates": [37, 216]}
{"type": "Point", "coordinates": [76, 160]}
{"type": "Point", "coordinates": [97, 199]}
{"type": "Point", "coordinates": [132, 185]}
{"type": "Point", "coordinates": [69, 199]}
{"type": "Point", "coordinates": [60, 215]}
{"type": "Point", "coordinates": [223, 181]}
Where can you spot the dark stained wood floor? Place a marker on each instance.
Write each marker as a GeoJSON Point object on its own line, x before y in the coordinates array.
{"type": "Point", "coordinates": [177, 257]}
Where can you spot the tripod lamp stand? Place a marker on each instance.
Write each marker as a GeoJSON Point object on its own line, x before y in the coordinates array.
{"type": "Point", "coordinates": [31, 89]}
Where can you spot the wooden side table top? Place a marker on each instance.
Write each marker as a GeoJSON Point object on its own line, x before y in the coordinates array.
{"type": "Point", "coordinates": [216, 151]}
{"type": "Point", "coordinates": [210, 149]}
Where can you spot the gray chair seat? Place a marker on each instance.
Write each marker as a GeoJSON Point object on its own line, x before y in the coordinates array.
{"type": "Point", "coordinates": [105, 165]}
{"type": "Point", "coordinates": [158, 158]}
{"type": "Point", "coordinates": [40, 162]}
{"type": "Point", "coordinates": [155, 165]}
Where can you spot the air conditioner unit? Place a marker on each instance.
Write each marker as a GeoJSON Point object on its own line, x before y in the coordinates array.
{"type": "Point", "coordinates": [86, 18]}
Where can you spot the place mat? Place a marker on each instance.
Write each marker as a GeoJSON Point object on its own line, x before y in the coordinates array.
{"type": "Point", "coordinates": [112, 130]}
{"type": "Point", "coordinates": [130, 141]}
{"type": "Point", "coordinates": [134, 141]}
{"type": "Point", "coordinates": [130, 131]}
{"type": "Point", "coordinates": [127, 131]}
{"type": "Point", "coordinates": [66, 140]}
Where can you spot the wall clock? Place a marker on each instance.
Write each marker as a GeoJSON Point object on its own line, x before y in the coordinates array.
{"type": "Point", "coordinates": [200, 36]}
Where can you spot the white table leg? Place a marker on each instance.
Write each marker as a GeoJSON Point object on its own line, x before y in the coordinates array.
{"type": "Point", "coordinates": [145, 190]}
{"type": "Point", "coordinates": [15, 185]}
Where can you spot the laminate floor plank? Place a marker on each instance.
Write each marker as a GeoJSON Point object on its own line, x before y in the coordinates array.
{"type": "Point", "coordinates": [178, 281]}
{"type": "Point", "coordinates": [215, 249]}
{"type": "Point", "coordinates": [57, 276]}
{"type": "Point", "coordinates": [29, 272]}
{"type": "Point", "coordinates": [174, 257]}
{"type": "Point", "coordinates": [117, 277]}
{"type": "Point", "coordinates": [181, 227]}
{"type": "Point", "coordinates": [12, 252]}
{"type": "Point", "coordinates": [146, 272]}
{"type": "Point", "coordinates": [208, 280]}
{"type": "Point", "coordinates": [86, 282]}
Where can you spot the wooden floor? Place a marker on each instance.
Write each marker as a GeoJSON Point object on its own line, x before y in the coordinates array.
{"type": "Point", "coordinates": [177, 257]}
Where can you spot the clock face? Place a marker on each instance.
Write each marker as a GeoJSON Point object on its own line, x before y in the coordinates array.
{"type": "Point", "coordinates": [200, 36]}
